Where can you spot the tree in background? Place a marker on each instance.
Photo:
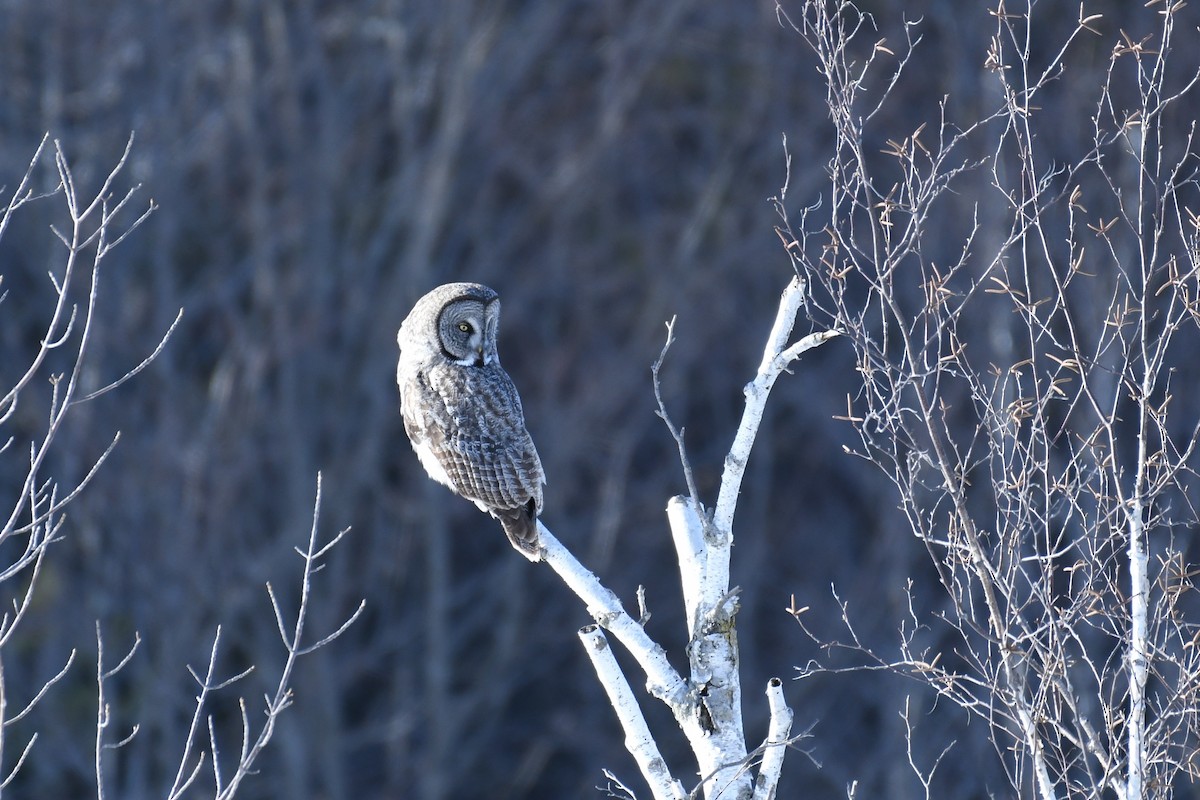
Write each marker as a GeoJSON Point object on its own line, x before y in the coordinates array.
{"type": "Point", "coordinates": [52, 377]}
{"type": "Point", "coordinates": [1046, 461]}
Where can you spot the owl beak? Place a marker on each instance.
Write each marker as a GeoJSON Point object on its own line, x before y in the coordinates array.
{"type": "Point", "coordinates": [479, 358]}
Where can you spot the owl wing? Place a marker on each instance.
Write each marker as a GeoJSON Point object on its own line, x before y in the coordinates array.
{"type": "Point", "coordinates": [472, 427]}
{"type": "Point", "coordinates": [425, 423]}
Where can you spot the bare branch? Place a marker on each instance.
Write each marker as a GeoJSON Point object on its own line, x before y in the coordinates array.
{"type": "Point", "coordinates": [162, 343]}
{"type": "Point", "coordinates": [638, 741]}
{"type": "Point", "coordinates": [663, 681]}
{"type": "Point", "coordinates": [780, 727]}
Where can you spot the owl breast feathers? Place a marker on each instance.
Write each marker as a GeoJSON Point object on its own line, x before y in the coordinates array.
{"type": "Point", "coordinates": [461, 410]}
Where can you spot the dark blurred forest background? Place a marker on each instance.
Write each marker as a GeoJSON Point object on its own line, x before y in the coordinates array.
{"type": "Point", "coordinates": [317, 166]}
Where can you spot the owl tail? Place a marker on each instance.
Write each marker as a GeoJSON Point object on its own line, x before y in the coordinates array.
{"type": "Point", "coordinates": [520, 524]}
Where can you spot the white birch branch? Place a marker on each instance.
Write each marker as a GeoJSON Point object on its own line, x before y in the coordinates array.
{"type": "Point", "coordinates": [776, 358]}
{"type": "Point", "coordinates": [777, 740]}
{"type": "Point", "coordinates": [638, 740]}
{"type": "Point", "coordinates": [662, 680]}
{"type": "Point", "coordinates": [687, 530]}
{"type": "Point", "coordinates": [1034, 742]}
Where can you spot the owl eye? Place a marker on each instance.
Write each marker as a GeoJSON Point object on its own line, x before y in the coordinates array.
{"type": "Point", "coordinates": [465, 327]}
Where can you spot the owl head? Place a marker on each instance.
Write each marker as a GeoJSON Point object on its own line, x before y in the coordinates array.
{"type": "Point", "coordinates": [456, 322]}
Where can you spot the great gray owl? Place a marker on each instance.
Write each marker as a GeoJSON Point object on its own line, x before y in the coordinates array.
{"type": "Point", "coordinates": [461, 410]}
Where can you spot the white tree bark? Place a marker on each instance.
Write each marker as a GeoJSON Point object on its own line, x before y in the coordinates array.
{"type": "Point", "coordinates": [777, 739]}
{"type": "Point", "coordinates": [713, 649]}
{"type": "Point", "coordinates": [687, 531]}
{"type": "Point", "coordinates": [638, 740]}
{"type": "Point", "coordinates": [1139, 591]}
{"type": "Point", "coordinates": [707, 704]}
{"type": "Point", "coordinates": [662, 681]}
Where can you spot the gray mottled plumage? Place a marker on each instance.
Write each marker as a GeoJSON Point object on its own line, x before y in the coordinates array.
{"type": "Point", "coordinates": [462, 412]}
